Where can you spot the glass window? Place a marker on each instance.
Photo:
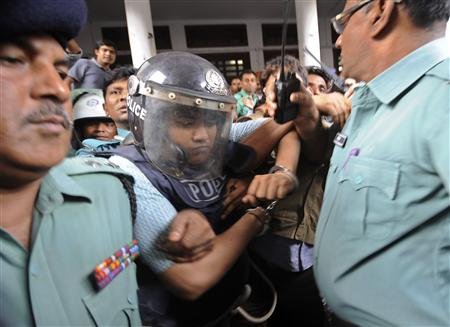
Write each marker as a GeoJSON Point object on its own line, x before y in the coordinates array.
{"type": "Point", "coordinates": [119, 35]}
{"type": "Point", "coordinates": [210, 36]}
{"type": "Point", "coordinates": [272, 34]}
{"type": "Point", "coordinates": [228, 63]}
{"type": "Point", "coordinates": [162, 37]}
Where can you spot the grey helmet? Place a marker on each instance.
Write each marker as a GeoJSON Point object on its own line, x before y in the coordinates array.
{"type": "Point", "coordinates": [172, 95]}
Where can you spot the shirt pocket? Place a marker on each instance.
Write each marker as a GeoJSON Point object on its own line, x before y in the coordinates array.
{"type": "Point", "coordinates": [116, 304]}
{"type": "Point", "coordinates": [373, 186]}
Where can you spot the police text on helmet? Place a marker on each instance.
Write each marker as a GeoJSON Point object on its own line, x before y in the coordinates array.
{"type": "Point", "coordinates": [136, 108]}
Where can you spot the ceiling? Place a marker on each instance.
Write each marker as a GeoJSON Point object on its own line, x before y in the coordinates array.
{"type": "Point", "coordinates": [113, 10]}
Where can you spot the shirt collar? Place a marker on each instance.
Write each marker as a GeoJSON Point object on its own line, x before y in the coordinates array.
{"type": "Point", "coordinates": [100, 66]}
{"type": "Point", "coordinates": [397, 78]}
{"type": "Point", "coordinates": [244, 93]}
{"type": "Point", "coordinates": [123, 132]}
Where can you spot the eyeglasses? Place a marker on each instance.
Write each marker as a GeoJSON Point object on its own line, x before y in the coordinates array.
{"type": "Point", "coordinates": [340, 20]}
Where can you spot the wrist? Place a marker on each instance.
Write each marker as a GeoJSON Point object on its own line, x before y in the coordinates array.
{"type": "Point", "coordinates": [260, 214]}
{"type": "Point", "coordinates": [279, 169]}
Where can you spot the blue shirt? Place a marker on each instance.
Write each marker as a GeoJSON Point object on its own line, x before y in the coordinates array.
{"type": "Point", "coordinates": [382, 253]}
{"type": "Point", "coordinates": [154, 212]}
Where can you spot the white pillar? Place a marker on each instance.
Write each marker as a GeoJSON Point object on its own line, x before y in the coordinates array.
{"type": "Point", "coordinates": [140, 30]}
{"type": "Point", "coordinates": [307, 30]}
{"type": "Point", "coordinates": [255, 44]}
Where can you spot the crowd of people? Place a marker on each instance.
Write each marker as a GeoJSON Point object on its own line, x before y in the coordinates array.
{"type": "Point", "coordinates": [127, 199]}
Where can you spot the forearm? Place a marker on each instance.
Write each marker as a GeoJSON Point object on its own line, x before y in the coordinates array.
{"type": "Point", "coordinates": [73, 47]}
{"type": "Point", "coordinates": [191, 280]}
{"type": "Point", "coordinates": [288, 153]}
{"type": "Point", "coordinates": [264, 139]}
{"type": "Point", "coordinates": [312, 134]}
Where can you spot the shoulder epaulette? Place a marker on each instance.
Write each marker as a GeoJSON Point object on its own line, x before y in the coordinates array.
{"type": "Point", "coordinates": [78, 166]}
{"type": "Point", "coordinates": [90, 165]}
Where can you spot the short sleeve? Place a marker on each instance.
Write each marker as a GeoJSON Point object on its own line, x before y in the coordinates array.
{"type": "Point", "coordinates": [241, 130]}
{"type": "Point", "coordinates": [78, 70]}
{"type": "Point", "coordinates": [153, 218]}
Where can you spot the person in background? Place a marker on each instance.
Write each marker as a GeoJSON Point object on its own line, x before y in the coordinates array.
{"type": "Point", "coordinates": [115, 93]}
{"type": "Point", "coordinates": [92, 73]}
{"type": "Point", "coordinates": [93, 130]}
{"type": "Point", "coordinates": [285, 251]}
{"type": "Point", "coordinates": [319, 81]}
{"type": "Point", "coordinates": [235, 85]}
{"type": "Point", "coordinates": [246, 97]}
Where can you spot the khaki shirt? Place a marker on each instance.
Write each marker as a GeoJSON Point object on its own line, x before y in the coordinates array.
{"type": "Point", "coordinates": [296, 216]}
{"type": "Point", "coordinates": [81, 216]}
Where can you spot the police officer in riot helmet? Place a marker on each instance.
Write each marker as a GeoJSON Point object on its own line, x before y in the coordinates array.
{"type": "Point", "coordinates": [180, 114]}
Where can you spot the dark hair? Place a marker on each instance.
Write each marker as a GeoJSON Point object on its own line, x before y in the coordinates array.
{"type": "Point", "coordinates": [291, 65]}
{"type": "Point", "coordinates": [118, 74]}
{"type": "Point", "coordinates": [245, 72]}
{"type": "Point", "coordinates": [107, 43]}
{"type": "Point", "coordinates": [424, 13]}
{"type": "Point", "coordinates": [316, 70]}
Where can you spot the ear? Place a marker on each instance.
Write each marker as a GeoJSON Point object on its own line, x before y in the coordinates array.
{"type": "Point", "coordinates": [106, 110]}
{"type": "Point", "coordinates": [381, 15]}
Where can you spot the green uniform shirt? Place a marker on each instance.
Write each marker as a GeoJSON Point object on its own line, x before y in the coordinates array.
{"type": "Point", "coordinates": [81, 216]}
{"type": "Point", "coordinates": [382, 252]}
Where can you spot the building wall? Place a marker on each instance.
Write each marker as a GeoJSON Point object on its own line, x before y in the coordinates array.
{"type": "Point", "coordinates": [255, 48]}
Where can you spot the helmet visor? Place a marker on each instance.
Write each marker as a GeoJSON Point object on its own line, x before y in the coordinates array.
{"type": "Point", "coordinates": [186, 142]}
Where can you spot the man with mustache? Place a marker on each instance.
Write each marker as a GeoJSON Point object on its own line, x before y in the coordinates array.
{"type": "Point", "coordinates": [56, 225]}
{"type": "Point", "coordinates": [382, 246]}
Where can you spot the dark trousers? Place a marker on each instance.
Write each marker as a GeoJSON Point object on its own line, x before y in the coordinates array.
{"type": "Point", "coordinates": [299, 302]}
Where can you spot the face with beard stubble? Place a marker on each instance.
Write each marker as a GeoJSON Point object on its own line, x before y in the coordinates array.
{"type": "Point", "coordinates": [35, 108]}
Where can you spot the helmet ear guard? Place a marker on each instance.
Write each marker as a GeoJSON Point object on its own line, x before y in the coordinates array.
{"type": "Point", "coordinates": [133, 85]}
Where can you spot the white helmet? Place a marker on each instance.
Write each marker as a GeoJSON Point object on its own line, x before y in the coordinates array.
{"type": "Point", "coordinates": [89, 105]}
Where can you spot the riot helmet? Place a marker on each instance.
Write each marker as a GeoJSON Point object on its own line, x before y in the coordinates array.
{"type": "Point", "coordinates": [180, 114]}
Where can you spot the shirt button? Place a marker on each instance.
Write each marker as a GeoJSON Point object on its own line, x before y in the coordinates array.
{"type": "Point", "coordinates": [34, 270]}
{"type": "Point", "coordinates": [130, 299]}
{"type": "Point", "coordinates": [358, 179]}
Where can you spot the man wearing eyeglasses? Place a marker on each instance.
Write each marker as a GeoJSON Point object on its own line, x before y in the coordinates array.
{"type": "Point", "coordinates": [382, 249]}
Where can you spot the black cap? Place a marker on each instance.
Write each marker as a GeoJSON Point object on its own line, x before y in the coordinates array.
{"type": "Point", "coordinates": [63, 19]}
